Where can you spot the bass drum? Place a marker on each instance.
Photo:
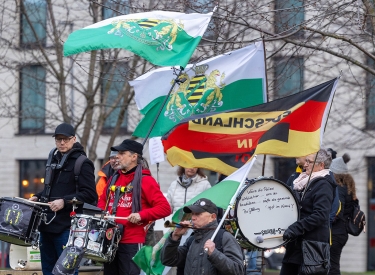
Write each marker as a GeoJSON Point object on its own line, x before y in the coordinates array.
{"type": "Point", "coordinates": [264, 210]}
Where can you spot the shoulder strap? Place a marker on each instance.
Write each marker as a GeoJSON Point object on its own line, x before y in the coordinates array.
{"type": "Point", "coordinates": [219, 239]}
{"type": "Point", "coordinates": [77, 169]}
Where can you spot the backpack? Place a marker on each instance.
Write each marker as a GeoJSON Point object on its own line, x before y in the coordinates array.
{"type": "Point", "coordinates": [77, 170]}
{"type": "Point", "coordinates": [356, 222]}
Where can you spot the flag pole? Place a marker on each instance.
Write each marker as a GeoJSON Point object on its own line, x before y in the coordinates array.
{"type": "Point", "coordinates": [265, 74]}
{"type": "Point", "coordinates": [234, 198]}
{"type": "Point", "coordinates": [176, 80]}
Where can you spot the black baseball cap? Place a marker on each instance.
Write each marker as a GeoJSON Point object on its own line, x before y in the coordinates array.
{"type": "Point", "coordinates": [200, 206]}
{"type": "Point", "coordinates": [129, 145]}
{"type": "Point", "coordinates": [65, 129]}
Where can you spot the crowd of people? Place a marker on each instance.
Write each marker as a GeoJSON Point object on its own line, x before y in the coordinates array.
{"type": "Point", "coordinates": [127, 189]}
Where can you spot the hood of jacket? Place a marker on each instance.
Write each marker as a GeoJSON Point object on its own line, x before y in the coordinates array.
{"type": "Point", "coordinates": [106, 171]}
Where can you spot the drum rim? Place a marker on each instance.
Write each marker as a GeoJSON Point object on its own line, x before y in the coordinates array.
{"type": "Point", "coordinates": [22, 201]}
{"type": "Point", "coordinates": [236, 206]}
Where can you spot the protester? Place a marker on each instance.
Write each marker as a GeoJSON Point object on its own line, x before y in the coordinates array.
{"type": "Point", "coordinates": [317, 187]}
{"type": "Point", "coordinates": [348, 198]}
{"type": "Point", "coordinates": [106, 172]}
{"type": "Point", "coordinates": [300, 161]}
{"type": "Point", "coordinates": [190, 182]}
{"type": "Point", "coordinates": [61, 188]}
{"type": "Point", "coordinates": [199, 254]}
{"type": "Point", "coordinates": [141, 202]}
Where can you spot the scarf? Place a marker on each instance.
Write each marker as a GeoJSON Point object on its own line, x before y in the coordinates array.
{"type": "Point", "coordinates": [186, 181]}
{"type": "Point", "coordinates": [137, 183]}
{"type": "Point", "coordinates": [300, 182]}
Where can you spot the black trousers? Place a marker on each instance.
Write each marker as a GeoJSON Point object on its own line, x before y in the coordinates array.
{"type": "Point", "coordinates": [338, 242]}
{"type": "Point", "coordinates": [123, 263]}
{"type": "Point", "coordinates": [289, 269]}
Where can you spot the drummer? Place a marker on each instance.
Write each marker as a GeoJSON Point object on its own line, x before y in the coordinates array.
{"type": "Point", "coordinates": [61, 188]}
{"type": "Point", "coordinates": [134, 194]}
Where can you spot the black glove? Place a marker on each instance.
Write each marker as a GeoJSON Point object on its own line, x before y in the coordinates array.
{"type": "Point", "coordinates": [289, 234]}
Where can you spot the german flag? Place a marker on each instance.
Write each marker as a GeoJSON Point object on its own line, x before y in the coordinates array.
{"type": "Point", "coordinates": [291, 127]}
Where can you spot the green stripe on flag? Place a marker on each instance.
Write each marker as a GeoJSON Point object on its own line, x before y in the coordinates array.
{"type": "Point", "coordinates": [98, 38]}
{"type": "Point", "coordinates": [238, 94]}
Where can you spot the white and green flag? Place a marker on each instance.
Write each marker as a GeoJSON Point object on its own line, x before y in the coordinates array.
{"type": "Point", "coordinates": [148, 258]}
{"type": "Point", "coordinates": [232, 80]}
{"type": "Point", "coordinates": [163, 38]}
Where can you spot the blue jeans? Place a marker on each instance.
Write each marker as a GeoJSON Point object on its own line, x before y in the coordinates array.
{"type": "Point", "coordinates": [51, 246]}
{"type": "Point", "coordinates": [252, 268]}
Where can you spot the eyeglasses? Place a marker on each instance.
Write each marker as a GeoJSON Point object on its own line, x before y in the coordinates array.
{"type": "Point", "coordinates": [66, 140]}
{"type": "Point", "coordinates": [308, 162]}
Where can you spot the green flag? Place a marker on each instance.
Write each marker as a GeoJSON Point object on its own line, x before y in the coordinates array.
{"type": "Point", "coordinates": [163, 38]}
{"type": "Point", "coordinates": [148, 258]}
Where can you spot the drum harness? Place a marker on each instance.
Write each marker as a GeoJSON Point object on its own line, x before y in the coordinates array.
{"type": "Point", "coordinates": [119, 191]}
{"type": "Point", "coordinates": [50, 167]}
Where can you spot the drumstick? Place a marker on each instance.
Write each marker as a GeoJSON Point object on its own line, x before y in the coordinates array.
{"type": "Point", "coordinates": [118, 218]}
{"type": "Point", "coordinates": [260, 239]}
{"type": "Point", "coordinates": [35, 202]}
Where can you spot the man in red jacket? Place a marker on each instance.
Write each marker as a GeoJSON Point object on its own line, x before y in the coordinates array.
{"type": "Point", "coordinates": [136, 195]}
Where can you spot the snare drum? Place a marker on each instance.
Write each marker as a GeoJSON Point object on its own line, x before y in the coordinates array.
{"type": "Point", "coordinates": [19, 221]}
{"type": "Point", "coordinates": [99, 237]}
{"type": "Point", "coordinates": [264, 210]}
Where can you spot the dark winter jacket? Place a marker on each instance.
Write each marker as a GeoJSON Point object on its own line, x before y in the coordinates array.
{"type": "Point", "coordinates": [347, 204]}
{"type": "Point", "coordinates": [313, 224]}
{"type": "Point", "coordinates": [336, 201]}
{"type": "Point", "coordinates": [63, 186]}
{"type": "Point", "coordinates": [228, 262]}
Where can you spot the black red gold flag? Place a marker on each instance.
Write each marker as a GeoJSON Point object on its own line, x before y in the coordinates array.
{"type": "Point", "coordinates": [292, 126]}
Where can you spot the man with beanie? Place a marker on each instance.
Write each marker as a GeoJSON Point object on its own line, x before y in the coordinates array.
{"type": "Point", "coordinates": [106, 172]}
{"type": "Point", "coordinates": [199, 253]}
{"type": "Point", "coordinates": [134, 194]}
{"type": "Point", "coordinates": [60, 187]}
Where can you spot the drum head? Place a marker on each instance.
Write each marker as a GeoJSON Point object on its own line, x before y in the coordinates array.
{"type": "Point", "coordinates": [264, 210]}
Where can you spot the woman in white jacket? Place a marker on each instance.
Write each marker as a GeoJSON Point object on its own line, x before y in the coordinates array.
{"type": "Point", "coordinates": [189, 183]}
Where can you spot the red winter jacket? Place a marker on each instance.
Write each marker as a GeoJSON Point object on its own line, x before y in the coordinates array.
{"type": "Point", "coordinates": [154, 205]}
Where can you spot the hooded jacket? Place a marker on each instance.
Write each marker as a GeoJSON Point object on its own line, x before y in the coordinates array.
{"type": "Point", "coordinates": [313, 223]}
{"type": "Point", "coordinates": [63, 186]}
{"type": "Point", "coordinates": [228, 262]}
{"type": "Point", "coordinates": [154, 205]}
{"type": "Point", "coordinates": [179, 194]}
{"type": "Point", "coordinates": [105, 173]}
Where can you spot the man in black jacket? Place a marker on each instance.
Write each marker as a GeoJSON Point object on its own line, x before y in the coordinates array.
{"type": "Point", "coordinates": [226, 260]}
{"type": "Point", "coordinates": [60, 187]}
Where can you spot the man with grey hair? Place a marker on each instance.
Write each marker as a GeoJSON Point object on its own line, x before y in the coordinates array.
{"type": "Point", "coordinates": [315, 189]}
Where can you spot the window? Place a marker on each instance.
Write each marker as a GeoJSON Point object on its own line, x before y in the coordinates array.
{"type": "Point", "coordinates": [31, 177]}
{"type": "Point", "coordinates": [290, 14]}
{"type": "Point", "coordinates": [33, 22]}
{"type": "Point", "coordinates": [371, 213]}
{"type": "Point", "coordinates": [113, 84]}
{"type": "Point", "coordinates": [113, 8]}
{"type": "Point", "coordinates": [284, 168]}
{"type": "Point", "coordinates": [32, 99]}
{"type": "Point", "coordinates": [370, 97]}
{"type": "Point", "coordinates": [204, 6]}
{"type": "Point", "coordinates": [288, 76]}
